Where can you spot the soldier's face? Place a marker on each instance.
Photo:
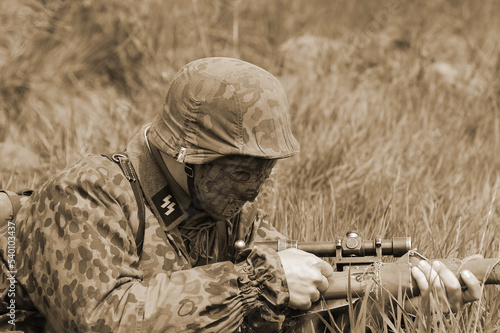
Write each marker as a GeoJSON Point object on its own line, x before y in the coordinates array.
{"type": "Point", "coordinates": [223, 186]}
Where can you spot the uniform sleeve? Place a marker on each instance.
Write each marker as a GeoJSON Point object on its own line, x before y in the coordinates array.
{"type": "Point", "coordinates": [78, 262]}
{"type": "Point", "coordinates": [254, 226]}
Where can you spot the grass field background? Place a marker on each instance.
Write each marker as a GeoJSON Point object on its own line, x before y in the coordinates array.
{"type": "Point", "coordinates": [396, 105]}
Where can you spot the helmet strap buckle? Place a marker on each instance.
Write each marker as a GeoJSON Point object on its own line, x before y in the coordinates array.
{"type": "Point", "coordinates": [188, 168]}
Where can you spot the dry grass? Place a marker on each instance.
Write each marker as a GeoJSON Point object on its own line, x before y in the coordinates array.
{"type": "Point", "coordinates": [396, 105]}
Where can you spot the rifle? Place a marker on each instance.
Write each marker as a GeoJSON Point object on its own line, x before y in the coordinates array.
{"type": "Point", "coordinates": [361, 271]}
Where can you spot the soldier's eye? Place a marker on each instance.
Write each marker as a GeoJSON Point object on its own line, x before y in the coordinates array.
{"type": "Point", "coordinates": [241, 176]}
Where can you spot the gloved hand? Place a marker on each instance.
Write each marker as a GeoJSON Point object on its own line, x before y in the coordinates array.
{"type": "Point", "coordinates": [306, 276]}
{"type": "Point", "coordinates": [443, 287]}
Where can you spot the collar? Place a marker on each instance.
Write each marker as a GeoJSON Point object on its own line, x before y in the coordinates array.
{"type": "Point", "coordinates": [158, 191]}
{"type": "Point", "coordinates": [164, 200]}
{"type": "Point", "coordinates": [177, 190]}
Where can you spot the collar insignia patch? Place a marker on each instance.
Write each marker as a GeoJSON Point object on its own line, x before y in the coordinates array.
{"type": "Point", "coordinates": [167, 205]}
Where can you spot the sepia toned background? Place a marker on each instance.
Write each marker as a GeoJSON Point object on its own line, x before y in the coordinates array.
{"type": "Point", "coordinates": [396, 105]}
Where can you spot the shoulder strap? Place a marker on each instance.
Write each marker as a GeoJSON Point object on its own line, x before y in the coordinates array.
{"type": "Point", "coordinates": [128, 170]}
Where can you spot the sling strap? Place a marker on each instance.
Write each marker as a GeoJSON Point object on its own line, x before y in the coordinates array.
{"type": "Point", "coordinates": [128, 170]}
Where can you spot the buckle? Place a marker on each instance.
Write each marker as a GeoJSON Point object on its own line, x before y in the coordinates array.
{"type": "Point", "coordinates": [189, 170]}
{"type": "Point", "coordinates": [117, 157]}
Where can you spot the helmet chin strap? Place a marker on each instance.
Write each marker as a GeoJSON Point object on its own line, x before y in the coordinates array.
{"type": "Point", "coordinates": [189, 169]}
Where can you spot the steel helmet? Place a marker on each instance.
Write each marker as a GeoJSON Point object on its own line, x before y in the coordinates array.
{"type": "Point", "coordinates": [223, 106]}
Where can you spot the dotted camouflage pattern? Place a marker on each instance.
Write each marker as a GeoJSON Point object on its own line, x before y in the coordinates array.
{"type": "Point", "coordinates": [78, 265]}
{"type": "Point", "coordinates": [224, 106]}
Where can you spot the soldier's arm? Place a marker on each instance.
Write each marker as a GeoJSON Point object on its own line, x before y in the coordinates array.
{"type": "Point", "coordinates": [79, 264]}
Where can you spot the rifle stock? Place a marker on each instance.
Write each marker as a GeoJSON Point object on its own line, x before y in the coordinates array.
{"type": "Point", "coordinates": [382, 282]}
{"type": "Point", "coordinates": [361, 271]}
{"type": "Point", "coordinates": [393, 277]}
{"type": "Point", "coordinates": [360, 268]}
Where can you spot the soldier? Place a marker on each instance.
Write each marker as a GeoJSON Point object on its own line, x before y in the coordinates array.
{"type": "Point", "coordinates": [87, 262]}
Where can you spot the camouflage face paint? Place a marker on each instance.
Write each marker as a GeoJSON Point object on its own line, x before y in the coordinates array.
{"type": "Point", "coordinates": [224, 185]}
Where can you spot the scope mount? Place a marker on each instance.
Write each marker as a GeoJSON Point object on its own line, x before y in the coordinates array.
{"type": "Point", "coordinates": [354, 251]}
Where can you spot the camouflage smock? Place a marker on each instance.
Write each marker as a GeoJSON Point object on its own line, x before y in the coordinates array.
{"type": "Point", "coordinates": [78, 266]}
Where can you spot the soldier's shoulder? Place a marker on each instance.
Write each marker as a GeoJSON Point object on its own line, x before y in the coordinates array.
{"type": "Point", "coordinates": [252, 215]}
{"type": "Point", "coordinates": [90, 172]}
{"type": "Point", "coordinates": [93, 162]}
{"type": "Point", "coordinates": [251, 212]}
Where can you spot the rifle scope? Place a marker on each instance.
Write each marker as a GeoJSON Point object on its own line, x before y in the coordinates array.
{"type": "Point", "coordinates": [350, 246]}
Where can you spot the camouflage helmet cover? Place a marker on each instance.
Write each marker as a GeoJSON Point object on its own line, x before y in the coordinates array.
{"type": "Point", "coordinates": [223, 106]}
